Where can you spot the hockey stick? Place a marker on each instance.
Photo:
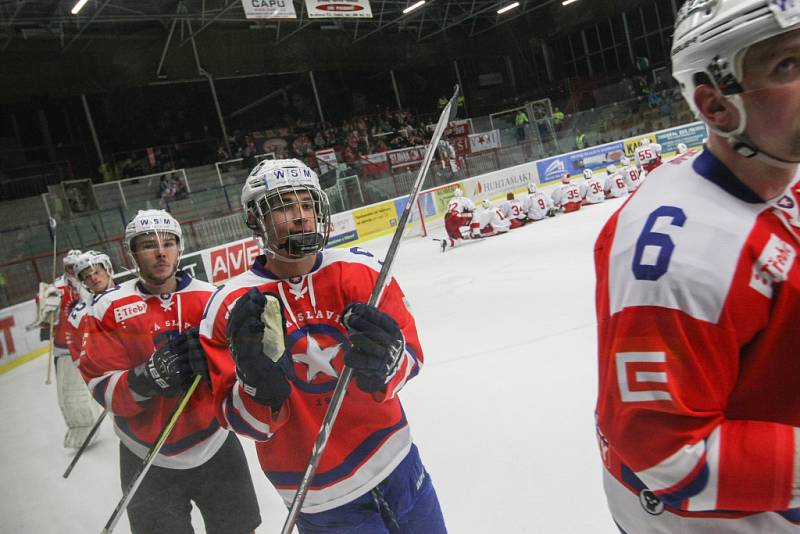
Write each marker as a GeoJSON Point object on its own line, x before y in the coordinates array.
{"type": "Point", "coordinates": [51, 348]}
{"type": "Point", "coordinates": [151, 455]}
{"type": "Point", "coordinates": [85, 443]}
{"type": "Point", "coordinates": [377, 292]}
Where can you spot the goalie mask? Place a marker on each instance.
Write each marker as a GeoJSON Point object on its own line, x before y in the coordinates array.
{"type": "Point", "coordinates": [284, 204]}
{"type": "Point", "coordinates": [88, 262]}
{"type": "Point", "coordinates": [69, 266]}
{"type": "Point", "coordinates": [158, 224]}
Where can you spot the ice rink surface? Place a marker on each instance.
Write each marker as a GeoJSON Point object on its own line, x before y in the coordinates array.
{"type": "Point", "coordinates": [502, 411]}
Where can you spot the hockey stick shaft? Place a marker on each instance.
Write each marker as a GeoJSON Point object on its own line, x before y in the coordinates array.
{"type": "Point", "coordinates": [86, 442]}
{"type": "Point", "coordinates": [50, 349]}
{"type": "Point", "coordinates": [347, 373]}
{"type": "Point", "coordinates": [151, 455]}
{"type": "Point", "coordinates": [53, 224]}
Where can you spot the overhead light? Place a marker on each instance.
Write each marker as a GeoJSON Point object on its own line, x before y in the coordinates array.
{"type": "Point", "coordinates": [509, 7]}
{"type": "Point", "coordinates": [568, 2]}
{"type": "Point", "coordinates": [412, 7]}
{"type": "Point", "coordinates": [78, 6]}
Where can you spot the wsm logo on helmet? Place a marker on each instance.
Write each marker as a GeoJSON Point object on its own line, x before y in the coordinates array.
{"type": "Point", "coordinates": [554, 171]}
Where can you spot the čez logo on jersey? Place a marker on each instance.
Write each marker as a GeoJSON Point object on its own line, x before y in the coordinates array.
{"type": "Point", "coordinates": [129, 310]}
{"type": "Point", "coordinates": [773, 265]}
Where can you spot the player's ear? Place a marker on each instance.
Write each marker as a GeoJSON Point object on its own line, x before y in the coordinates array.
{"type": "Point", "coordinates": [715, 108]}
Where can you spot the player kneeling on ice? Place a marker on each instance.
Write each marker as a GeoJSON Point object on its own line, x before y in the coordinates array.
{"type": "Point", "coordinates": [615, 185]}
{"type": "Point", "coordinates": [537, 205]}
{"type": "Point", "coordinates": [591, 188]}
{"type": "Point", "coordinates": [492, 220]}
{"type": "Point", "coordinates": [278, 338]}
{"type": "Point", "coordinates": [633, 175]}
{"type": "Point", "coordinates": [513, 211]}
{"type": "Point", "coordinates": [648, 155]}
{"type": "Point", "coordinates": [459, 220]}
{"type": "Point", "coordinates": [698, 294]}
{"type": "Point", "coordinates": [567, 196]}
{"type": "Point", "coordinates": [141, 352]}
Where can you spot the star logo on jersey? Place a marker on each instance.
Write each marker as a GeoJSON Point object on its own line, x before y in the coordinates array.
{"type": "Point", "coordinates": [318, 359]}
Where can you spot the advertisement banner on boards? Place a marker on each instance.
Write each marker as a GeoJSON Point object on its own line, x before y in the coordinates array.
{"type": "Point", "coordinates": [504, 180]}
{"type": "Point", "coordinates": [269, 9]}
{"type": "Point", "coordinates": [375, 220]}
{"type": "Point", "coordinates": [552, 169]}
{"type": "Point", "coordinates": [691, 135]}
{"type": "Point", "coordinates": [635, 142]}
{"type": "Point", "coordinates": [226, 261]}
{"type": "Point", "coordinates": [327, 9]}
{"type": "Point", "coordinates": [15, 339]}
{"type": "Point", "coordinates": [343, 229]}
{"type": "Point", "coordinates": [406, 156]}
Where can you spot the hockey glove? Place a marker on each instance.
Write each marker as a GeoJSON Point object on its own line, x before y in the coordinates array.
{"type": "Point", "coordinates": [257, 338]}
{"type": "Point", "coordinates": [376, 346]}
{"type": "Point", "coordinates": [169, 368]}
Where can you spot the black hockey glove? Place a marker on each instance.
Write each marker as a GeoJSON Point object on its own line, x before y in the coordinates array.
{"type": "Point", "coordinates": [376, 345]}
{"type": "Point", "coordinates": [170, 367]}
{"type": "Point", "coordinates": [257, 338]}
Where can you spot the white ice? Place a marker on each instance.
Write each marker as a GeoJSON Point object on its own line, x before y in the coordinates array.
{"type": "Point", "coordinates": [502, 411]}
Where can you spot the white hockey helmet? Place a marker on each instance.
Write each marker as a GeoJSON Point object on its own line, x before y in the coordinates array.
{"type": "Point", "coordinates": [485, 204]}
{"type": "Point", "coordinates": [624, 161]}
{"type": "Point", "coordinates": [71, 258]}
{"type": "Point", "coordinates": [532, 187]}
{"type": "Point", "coordinates": [277, 185]}
{"type": "Point", "coordinates": [587, 173]}
{"type": "Point", "coordinates": [156, 222]}
{"type": "Point", "coordinates": [92, 259]}
{"type": "Point", "coordinates": [611, 170]}
{"type": "Point", "coordinates": [457, 192]}
{"type": "Point", "coordinates": [645, 141]}
{"type": "Point", "coordinates": [709, 45]}
{"type": "Point", "coordinates": [682, 148]}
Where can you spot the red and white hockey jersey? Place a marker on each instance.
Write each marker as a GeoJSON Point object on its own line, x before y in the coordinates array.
{"type": "Point", "coordinates": [537, 205]}
{"type": "Point", "coordinates": [567, 197]}
{"type": "Point", "coordinates": [459, 205]}
{"type": "Point", "coordinates": [69, 297]}
{"type": "Point", "coordinates": [592, 191]}
{"type": "Point", "coordinates": [633, 177]}
{"type": "Point", "coordinates": [513, 209]}
{"type": "Point", "coordinates": [492, 221]}
{"type": "Point", "coordinates": [698, 414]}
{"type": "Point", "coordinates": [124, 327]}
{"type": "Point", "coordinates": [648, 157]}
{"type": "Point", "coordinates": [615, 186]}
{"type": "Point", "coordinates": [371, 435]}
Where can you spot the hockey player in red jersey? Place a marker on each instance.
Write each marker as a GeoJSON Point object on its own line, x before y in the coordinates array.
{"type": "Point", "coordinates": [140, 352]}
{"type": "Point", "coordinates": [458, 220]}
{"type": "Point", "coordinates": [567, 196]}
{"type": "Point", "coordinates": [76, 405]}
{"type": "Point", "coordinates": [514, 211]}
{"type": "Point", "coordinates": [277, 338]}
{"type": "Point", "coordinates": [698, 291]}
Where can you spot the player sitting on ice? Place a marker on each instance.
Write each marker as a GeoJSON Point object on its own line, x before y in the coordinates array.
{"type": "Point", "coordinates": [615, 185]}
{"type": "Point", "coordinates": [567, 197]}
{"type": "Point", "coordinates": [492, 220]}
{"type": "Point", "coordinates": [648, 155]}
{"type": "Point", "coordinates": [591, 188]}
{"type": "Point", "coordinates": [632, 175]}
{"type": "Point", "coordinates": [537, 205]}
{"type": "Point", "coordinates": [514, 211]}
{"type": "Point", "coordinates": [458, 220]}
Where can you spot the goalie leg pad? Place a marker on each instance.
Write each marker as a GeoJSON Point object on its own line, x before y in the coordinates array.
{"type": "Point", "coordinates": [77, 406]}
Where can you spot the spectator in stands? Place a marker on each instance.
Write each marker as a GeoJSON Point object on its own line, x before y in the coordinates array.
{"type": "Point", "coordinates": [580, 140]}
{"type": "Point", "coordinates": [167, 189]}
{"type": "Point", "coordinates": [3, 294]}
{"type": "Point", "coordinates": [520, 121]}
{"type": "Point", "coordinates": [222, 154]}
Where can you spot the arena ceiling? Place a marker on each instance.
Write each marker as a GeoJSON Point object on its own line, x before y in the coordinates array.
{"type": "Point", "coordinates": [28, 20]}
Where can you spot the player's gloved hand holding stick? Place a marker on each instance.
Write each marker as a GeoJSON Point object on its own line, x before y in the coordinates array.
{"type": "Point", "coordinates": [377, 345]}
{"type": "Point", "coordinates": [170, 367]}
{"type": "Point", "coordinates": [257, 337]}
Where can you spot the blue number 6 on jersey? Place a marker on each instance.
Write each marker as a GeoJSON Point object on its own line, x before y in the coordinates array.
{"type": "Point", "coordinates": [648, 238]}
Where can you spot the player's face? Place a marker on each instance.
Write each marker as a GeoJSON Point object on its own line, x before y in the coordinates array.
{"type": "Point", "coordinates": [771, 82]}
{"type": "Point", "coordinates": [96, 278]}
{"type": "Point", "coordinates": [69, 270]}
{"type": "Point", "coordinates": [156, 255]}
{"type": "Point", "coordinates": [290, 213]}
